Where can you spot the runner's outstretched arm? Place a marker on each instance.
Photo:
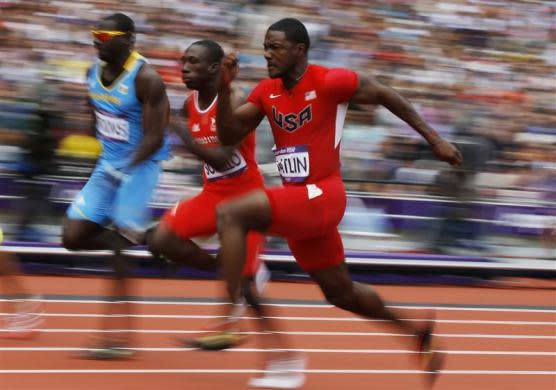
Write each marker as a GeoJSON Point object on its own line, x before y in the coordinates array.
{"type": "Point", "coordinates": [371, 91]}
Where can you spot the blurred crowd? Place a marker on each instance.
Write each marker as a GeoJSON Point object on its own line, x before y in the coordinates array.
{"type": "Point", "coordinates": [481, 72]}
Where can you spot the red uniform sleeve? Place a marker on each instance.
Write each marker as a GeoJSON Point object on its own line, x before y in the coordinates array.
{"type": "Point", "coordinates": [341, 83]}
{"type": "Point", "coordinates": [256, 95]}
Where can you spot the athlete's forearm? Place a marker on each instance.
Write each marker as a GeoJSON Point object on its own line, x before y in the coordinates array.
{"type": "Point", "coordinates": [404, 110]}
{"type": "Point", "coordinates": [148, 147]}
{"type": "Point", "coordinates": [215, 157]}
{"type": "Point", "coordinates": [229, 133]}
{"type": "Point", "coordinates": [224, 112]}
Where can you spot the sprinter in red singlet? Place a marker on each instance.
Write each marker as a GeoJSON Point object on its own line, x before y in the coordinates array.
{"type": "Point", "coordinates": [306, 106]}
{"type": "Point", "coordinates": [228, 171]}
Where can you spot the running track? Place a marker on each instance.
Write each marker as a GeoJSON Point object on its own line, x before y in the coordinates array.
{"type": "Point", "coordinates": [494, 339]}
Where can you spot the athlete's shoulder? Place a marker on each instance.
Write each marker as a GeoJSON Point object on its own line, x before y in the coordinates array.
{"type": "Point", "coordinates": [148, 73]}
{"type": "Point", "coordinates": [317, 72]}
{"type": "Point", "coordinates": [323, 72]}
{"type": "Point", "coordinates": [339, 84]}
{"type": "Point", "coordinates": [317, 69]}
{"type": "Point", "coordinates": [149, 83]}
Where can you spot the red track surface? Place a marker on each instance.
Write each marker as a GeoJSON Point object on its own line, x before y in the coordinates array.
{"type": "Point", "coordinates": [486, 349]}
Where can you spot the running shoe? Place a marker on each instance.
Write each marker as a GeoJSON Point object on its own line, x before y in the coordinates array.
{"type": "Point", "coordinates": [219, 337]}
{"type": "Point", "coordinates": [283, 373]}
{"type": "Point", "coordinates": [108, 353]}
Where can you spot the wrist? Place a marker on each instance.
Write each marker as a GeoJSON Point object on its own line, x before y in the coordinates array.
{"type": "Point", "coordinates": [432, 137]}
{"type": "Point", "coordinates": [433, 141]}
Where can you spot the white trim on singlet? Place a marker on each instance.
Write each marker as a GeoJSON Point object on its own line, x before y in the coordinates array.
{"type": "Point", "coordinates": [196, 102]}
{"type": "Point", "coordinates": [341, 112]}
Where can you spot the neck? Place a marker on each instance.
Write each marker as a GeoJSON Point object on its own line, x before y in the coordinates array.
{"type": "Point", "coordinates": [206, 95]}
{"type": "Point", "coordinates": [296, 74]}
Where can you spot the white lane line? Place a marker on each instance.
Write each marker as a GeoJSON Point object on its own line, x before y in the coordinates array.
{"type": "Point", "coordinates": [290, 318]}
{"type": "Point", "coordinates": [300, 350]}
{"type": "Point", "coordinates": [254, 371]}
{"type": "Point", "coordinates": [303, 333]}
{"type": "Point", "coordinates": [296, 305]}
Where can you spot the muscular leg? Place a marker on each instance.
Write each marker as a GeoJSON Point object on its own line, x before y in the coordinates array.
{"type": "Point", "coordinates": [341, 291]}
{"type": "Point", "coordinates": [119, 307]}
{"type": "Point", "coordinates": [87, 235]}
{"type": "Point", "coordinates": [235, 219]}
{"type": "Point", "coordinates": [253, 211]}
{"type": "Point", "coordinates": [163, 241]}
{"type": "Point", "coordinates": [80, 234]}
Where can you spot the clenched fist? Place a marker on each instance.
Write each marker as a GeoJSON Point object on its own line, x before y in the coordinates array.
{"type": "Point", "coordinates": [445, 151]}
{"type": "Point", "coordinates": [229, 70]}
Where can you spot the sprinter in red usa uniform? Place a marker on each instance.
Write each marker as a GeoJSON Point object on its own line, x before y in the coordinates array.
{"type": "Point", "coordinates": [228, 171]}
{"type": "Point", "coordinates": [306, 106]}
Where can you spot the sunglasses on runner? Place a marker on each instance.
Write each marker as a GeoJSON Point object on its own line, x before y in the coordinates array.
{"type": "Point", "coordinates": [105, 36]}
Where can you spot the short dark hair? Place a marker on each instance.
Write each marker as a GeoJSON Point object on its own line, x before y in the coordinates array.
{"type": "Point", "coordinates": [214, 50]}
{"type": "Point", "coordinates": [123, 22]}
{"type": "Point", "coordinates": [293, 28]}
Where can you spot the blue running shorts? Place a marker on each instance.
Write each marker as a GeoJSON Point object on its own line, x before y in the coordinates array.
{"type": "Point", "coordinates": [117, 196]}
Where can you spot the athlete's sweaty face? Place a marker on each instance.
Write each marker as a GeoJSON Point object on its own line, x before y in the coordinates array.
{"type": "Point", "coordinates": [196, 70]}
{"type": "Point", "coordinates": [113, 49]}
{"type": "Point", "coordinates": [280, 54]}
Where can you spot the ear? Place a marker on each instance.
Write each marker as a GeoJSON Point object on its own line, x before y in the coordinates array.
{"type": "Point", "coordinates": [131, 39]}
{"type": "Point", "coordinates": [214, 68]}
{"type": "Point", "coordinates": [301, 48]}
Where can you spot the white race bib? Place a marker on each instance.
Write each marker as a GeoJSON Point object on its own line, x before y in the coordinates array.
{"type": "Point", "coordinates": [293, 163]}
{"type": "Point", "coordinates": [235, 165]}
{"type": "Point", "coordinates": [112, 127]}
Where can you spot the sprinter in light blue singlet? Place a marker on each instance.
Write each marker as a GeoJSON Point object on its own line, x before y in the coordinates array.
{"type": "Point", "coordinates": [118, 192]}
{"type": "Point", "coordinates": [131, 112]}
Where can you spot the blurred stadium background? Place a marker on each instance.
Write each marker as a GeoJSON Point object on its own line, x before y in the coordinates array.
{"type": "Point", "coordinates": [481, 72]}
